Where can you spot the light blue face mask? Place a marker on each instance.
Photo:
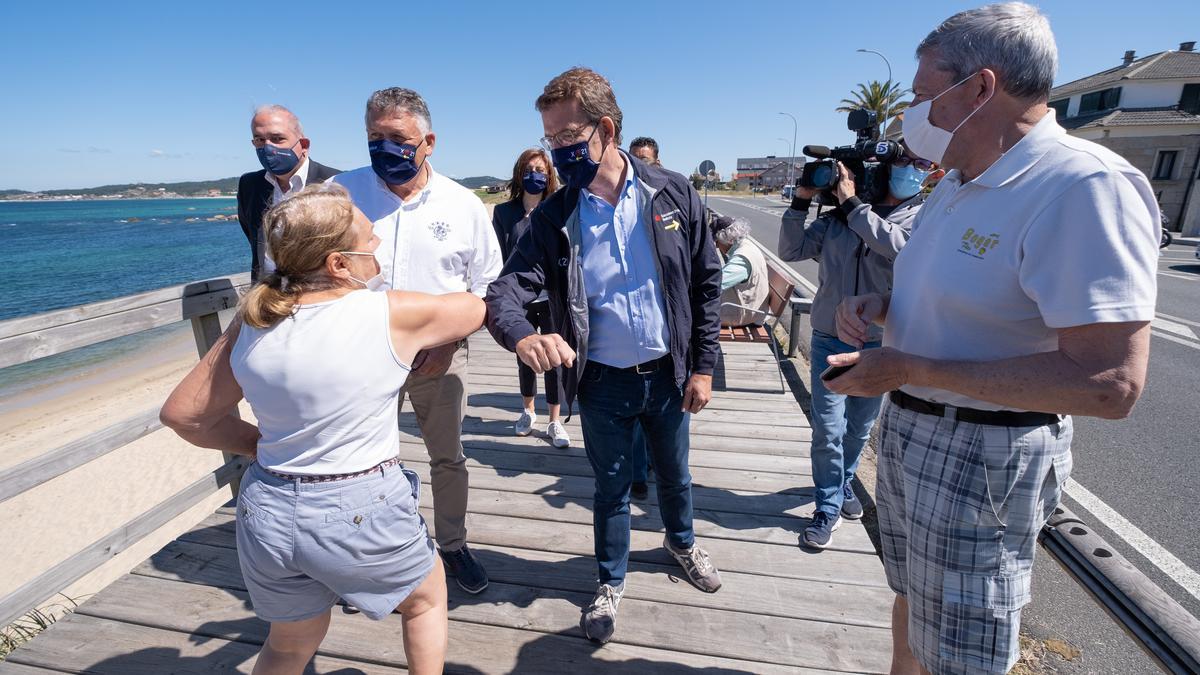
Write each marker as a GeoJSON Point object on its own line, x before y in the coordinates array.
{"type": "Point", "coordinates": [906, 181]}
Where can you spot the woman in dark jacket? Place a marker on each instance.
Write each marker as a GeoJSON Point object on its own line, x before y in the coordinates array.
{"type": "Point", "coordinates": [533, 180]}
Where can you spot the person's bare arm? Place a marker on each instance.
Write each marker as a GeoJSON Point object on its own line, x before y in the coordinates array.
{"type": "Point", "coordinates": [1098, 370]}
{"type": "Point", "coordinates": [432, 322]}
{"type": "Point", "coordinates": [202, 408]}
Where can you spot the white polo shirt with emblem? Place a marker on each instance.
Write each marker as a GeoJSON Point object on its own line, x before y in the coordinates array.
{"type": "Point", "coordinates": [440, 241]}
{"type": "Point", "coordinates": [1058, 232]}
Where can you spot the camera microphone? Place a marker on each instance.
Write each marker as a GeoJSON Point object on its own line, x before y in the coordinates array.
{"type": "Point", "coordinates": [816, 151]}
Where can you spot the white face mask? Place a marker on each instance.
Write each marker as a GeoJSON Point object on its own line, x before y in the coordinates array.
{"type": "Point", "coordinates": [926, 140]}
{"type": "Point", "coordinates": [375, 283]}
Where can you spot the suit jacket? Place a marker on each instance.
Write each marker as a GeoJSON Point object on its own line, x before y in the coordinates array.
{"type": "Point", "coordinates": [505, 218]}
{"type": "Point", "coordinates": [253, 200]}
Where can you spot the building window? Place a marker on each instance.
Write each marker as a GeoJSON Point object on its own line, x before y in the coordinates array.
{"type": "Point", "coordinates": [1105, 99]}
{"type": "Point", "coordinates": [1190, 100]}
{"type": "Point", "coordinates": [1164, 165]}
{"type": "Point", "coordinates": [1060, 107]}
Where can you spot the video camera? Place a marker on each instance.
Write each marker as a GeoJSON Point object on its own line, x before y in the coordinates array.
{"type": "Point", "coordinates": [868, 158]}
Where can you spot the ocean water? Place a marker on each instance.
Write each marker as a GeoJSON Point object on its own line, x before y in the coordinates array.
{"type": "Point", "coordinates": [61, 254]}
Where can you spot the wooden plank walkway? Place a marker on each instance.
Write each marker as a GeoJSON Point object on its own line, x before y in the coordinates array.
{"type": "Point", "coordinates": [781, 610]}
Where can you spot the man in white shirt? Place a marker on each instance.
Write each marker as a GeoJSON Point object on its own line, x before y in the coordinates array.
{"type": "Point", "coordinates": [435, 237]}
{"type": "Point", "coordinates": [282, 149]}
{"type": "Point", "coordinates": [1024, 296]}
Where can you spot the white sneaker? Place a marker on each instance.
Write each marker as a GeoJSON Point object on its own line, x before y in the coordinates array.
{"type": "Point", "coordinates": [525, 423]}
{"type": "Point", "coordinates": [558, 434]}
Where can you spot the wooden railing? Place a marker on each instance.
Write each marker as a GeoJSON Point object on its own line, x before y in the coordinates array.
{"type": "Point", "coordinates": [34, 337]}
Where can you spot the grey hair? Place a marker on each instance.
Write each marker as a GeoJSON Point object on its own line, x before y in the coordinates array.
{"type": "Point", "coordinates": [733, 234]}
{"type": "Point", "coordinates": [1013, 38]}
{"type": "Point", "coordinates": [281, 110]}
{"type": "Point", "coordinates": [393, 100]}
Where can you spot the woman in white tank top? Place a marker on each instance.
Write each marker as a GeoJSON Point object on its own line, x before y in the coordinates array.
{"type": "Point", "coordinates": [326, 511]}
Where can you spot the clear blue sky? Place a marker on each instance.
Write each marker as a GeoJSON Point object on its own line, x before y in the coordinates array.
{"type": "Point", "coordinates": [96, 93]}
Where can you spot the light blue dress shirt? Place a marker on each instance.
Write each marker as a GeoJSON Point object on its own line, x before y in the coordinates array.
{"type": "Point", "coordinates": [627, 315]}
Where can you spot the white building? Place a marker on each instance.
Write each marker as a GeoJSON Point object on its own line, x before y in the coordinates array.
{"type": "Point", "coordinates": [1148, 111]}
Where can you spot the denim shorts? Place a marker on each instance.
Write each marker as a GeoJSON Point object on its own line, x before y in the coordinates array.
{"type": "Point", "coordinates": [302, 546]}
{"type": "Point", "coordinates": [960, 506]}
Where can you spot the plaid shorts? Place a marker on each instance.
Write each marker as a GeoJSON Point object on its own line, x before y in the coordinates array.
{"type": "Point", "coordinates": [960, 506]}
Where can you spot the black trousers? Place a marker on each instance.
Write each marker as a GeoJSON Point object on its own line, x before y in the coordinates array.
{"type": "Point", "coordinates": [538, 314]}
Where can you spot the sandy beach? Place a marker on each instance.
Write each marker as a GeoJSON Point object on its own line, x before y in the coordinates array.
{"type": "Point", "coordinates": [49, 523]}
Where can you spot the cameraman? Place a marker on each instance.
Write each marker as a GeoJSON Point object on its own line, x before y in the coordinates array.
{"type": "Point", "coordinates": [855, 245]}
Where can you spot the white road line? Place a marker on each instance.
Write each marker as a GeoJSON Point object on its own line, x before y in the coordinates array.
{"type": "Point", "coordinates": [1172, 338]}
{"type": "Point", "coordinates": [1138, 540]}
{"type": "Point", "coordinates": [1162, 323]}
{"type": "Point", "coordinates": [1185, 277]}
{"type": "Point", "coordinates": [1178, 319]}
{"type": "Point", "coordinates": [756, 207]}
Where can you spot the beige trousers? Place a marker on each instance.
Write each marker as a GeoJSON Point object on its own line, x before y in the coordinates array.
{"type": "Point", "coordinates": [439, 402]}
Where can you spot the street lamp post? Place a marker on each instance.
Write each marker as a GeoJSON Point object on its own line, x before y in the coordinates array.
{"type": "Point", "coordinates": [889, 67]}
{"type": "Point", "coordinates": [792, 158]}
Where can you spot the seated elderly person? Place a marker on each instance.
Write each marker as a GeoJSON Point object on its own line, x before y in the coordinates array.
{"type": "Point", "coordinates": [744, 289]}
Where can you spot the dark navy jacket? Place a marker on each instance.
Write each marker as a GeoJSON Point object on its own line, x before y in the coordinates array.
{"type": "Point", "coordinates": [547, 257]}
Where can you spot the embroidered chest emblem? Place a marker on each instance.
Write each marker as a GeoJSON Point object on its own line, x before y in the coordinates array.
{"type": "Point", "coordinates": [977, 245]}
{"type": "Point", "coordinates": [440, 230]}
{"type": "Point", "coordinates": [667, 220]}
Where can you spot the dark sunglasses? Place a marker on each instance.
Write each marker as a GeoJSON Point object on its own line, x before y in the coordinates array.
{"type": "Point", "coordinates": [920, 164]}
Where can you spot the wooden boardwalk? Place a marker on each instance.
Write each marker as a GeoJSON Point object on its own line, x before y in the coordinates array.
{"type": "Point", "coordinates": [781, 610]}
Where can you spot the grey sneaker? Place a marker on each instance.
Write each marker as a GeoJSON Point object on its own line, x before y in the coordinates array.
{"type": "Point", "coordinates": [525, 422]}
{"type": "Point", "coordinates": [599, 620]}
{"type": "Point", "coordinates": [558, 434]}
{"type": "Point", "coordinates": [699, 569]}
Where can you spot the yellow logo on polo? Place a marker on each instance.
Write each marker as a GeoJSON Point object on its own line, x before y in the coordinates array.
{"type": "Point", "coordinates": [977, 245]}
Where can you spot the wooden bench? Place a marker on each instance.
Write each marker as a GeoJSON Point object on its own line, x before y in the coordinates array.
{"type": "Point", "coordinates": [744, 334]}
{"type": "Point", "coordinates": [779, 296]}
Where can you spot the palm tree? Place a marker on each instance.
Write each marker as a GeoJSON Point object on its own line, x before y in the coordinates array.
{"type": "Point", "coordinates": [881, 97]}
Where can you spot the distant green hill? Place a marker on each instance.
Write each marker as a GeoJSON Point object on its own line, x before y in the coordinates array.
{"type": "Point", "coordinates": [187, 188]}
{"type": "Point", "coordinates": [476, 182]}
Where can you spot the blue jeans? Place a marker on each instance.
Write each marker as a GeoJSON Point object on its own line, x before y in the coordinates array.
{"type": "Point", "coordinates": [612, 404]}
{"type": "Point", "coordinates": [641, 456]}
{"type": "Point", "coordinates": [841, 426]}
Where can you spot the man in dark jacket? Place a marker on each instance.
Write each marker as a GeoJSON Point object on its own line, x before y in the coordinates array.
{"type": "Point", "coordinates": [633, 282]}
{"type": "Point", "coordinates": [282, 149]}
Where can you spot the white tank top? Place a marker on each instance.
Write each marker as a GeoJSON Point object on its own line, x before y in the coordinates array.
{"type": "Point", "coordinates": [324, 386]}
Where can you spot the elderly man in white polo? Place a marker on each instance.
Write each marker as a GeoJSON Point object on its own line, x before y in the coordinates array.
{"type": "Point", "coordinates": [1024, 296]}
{"type": "Point", "coordinates": [435, 237]}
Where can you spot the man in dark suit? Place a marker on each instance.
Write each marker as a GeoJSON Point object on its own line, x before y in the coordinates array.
{"type": "Point", "coordinates": [282, 149]}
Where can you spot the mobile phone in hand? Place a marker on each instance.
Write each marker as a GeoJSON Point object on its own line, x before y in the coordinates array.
{"type": "Point", "coordinates": [835, 371]}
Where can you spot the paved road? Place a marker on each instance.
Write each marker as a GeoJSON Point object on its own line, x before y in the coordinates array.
{"type": "Point", "coordinates": [1143, 467]}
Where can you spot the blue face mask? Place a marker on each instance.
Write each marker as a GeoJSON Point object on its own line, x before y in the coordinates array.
{"type": "Point", "coordinates": [906, 181]}
{"type": "Point", "coordinates": [575, 164]}
{"type": "Point", "coordinates": [534, 182]}
{"type": "Point", "coordinates": [276, 160]}
{"type": "Point", "coordinates": [394, 163]}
